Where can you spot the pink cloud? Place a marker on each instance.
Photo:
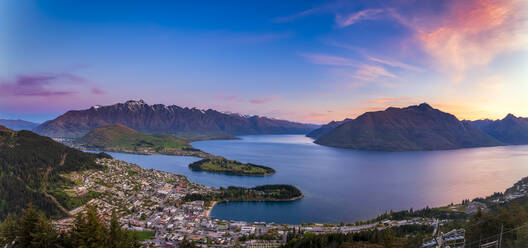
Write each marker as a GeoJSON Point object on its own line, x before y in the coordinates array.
{"type": "Point", "coordinates": [470, 33]}
{"type": "Point", "coordinates": [38, 85]}
{"type": "Point", "coordinates": [224, 97]}
{"type": "Point", "coordinates": [264, 100]}
{"type": "Point", "coordinates": [371, 72]}
{"type": "Point", "coordinates": [98, 91]}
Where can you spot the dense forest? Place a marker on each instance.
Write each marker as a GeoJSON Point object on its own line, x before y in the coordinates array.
{"type": "Point", "coordinates": [403, 236]}
{"type": "Point", "coordinates": [276, 192]}
{"type": "Point", "coordinates": [33, 229]}
{"type": "Point", "coordinates": [30, 168]}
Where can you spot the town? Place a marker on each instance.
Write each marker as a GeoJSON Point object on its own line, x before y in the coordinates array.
{"type": "Point", "coordinates": [153, 202]}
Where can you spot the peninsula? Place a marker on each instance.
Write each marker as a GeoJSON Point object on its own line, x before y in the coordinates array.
{"type": "Point", "coordinates": [119, 138]}
{"type": "Point", "coordinates": [233, 167]}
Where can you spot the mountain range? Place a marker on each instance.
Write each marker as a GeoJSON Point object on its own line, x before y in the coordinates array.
{"type": "Point", "coordinates": [159, 118]}
{"type": "Point", "coordinates": [413, 128]}
{"type": "Point", "coordinates": [18, 124]}
{"type": "Point", "coordinates": [509, 130]}
{"type": "Point", "coordinates": [324, 129]}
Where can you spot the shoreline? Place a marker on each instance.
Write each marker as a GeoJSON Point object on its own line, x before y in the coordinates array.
{"type": "Point", "coordinates": [208, 212]}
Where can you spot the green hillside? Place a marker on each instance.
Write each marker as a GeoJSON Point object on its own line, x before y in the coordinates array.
{"type": "Point", "coordinates": [30, 168]}
{"type": "Point", "coordinates": [121, 138]}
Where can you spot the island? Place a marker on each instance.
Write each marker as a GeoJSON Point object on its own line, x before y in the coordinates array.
{"type": "Point", "coordinates": [270, 192]}
{"type": "Point", "coordinates": [232, 167]}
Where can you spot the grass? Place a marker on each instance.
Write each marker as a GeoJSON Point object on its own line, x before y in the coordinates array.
{"type": "Point", "coordinates": [122, 137]}
{"type": "Point", "coordinates": [226, 166]}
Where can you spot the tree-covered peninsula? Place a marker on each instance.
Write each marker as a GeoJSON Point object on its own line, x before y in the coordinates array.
{"type": "Point", "coordinates": [233, 167]}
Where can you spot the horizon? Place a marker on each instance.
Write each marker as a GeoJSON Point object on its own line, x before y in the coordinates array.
{"type": "Point", "coordinates": [248, 114]}
{"type": "Point", "coordinates": [309, 62]}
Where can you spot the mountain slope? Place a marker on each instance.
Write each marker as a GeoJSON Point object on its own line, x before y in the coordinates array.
{"type": "Point", "coordinates": [18, 124]}
{"type": "Point", "coordinates": [30, 165]}
{"type": "Point", "coordinates": [119, 138]}
{"type": "Point", "coordinates": [406, 129]}
{"type": "Point", "coordinates": [324, 129]}
{"type": "Point", "coordinates": [159, 118]}
{"type": "Point", "coordinates": [510, 130]}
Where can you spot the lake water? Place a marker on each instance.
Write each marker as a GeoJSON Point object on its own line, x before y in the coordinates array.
{"type": "Point", "coordinates": [347, 185]}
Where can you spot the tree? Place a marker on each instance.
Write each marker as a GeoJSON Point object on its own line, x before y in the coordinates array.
{"type": "Point", "coordinates": [88, 230]}
{"type": "Point", "coordinates": [8, 230]}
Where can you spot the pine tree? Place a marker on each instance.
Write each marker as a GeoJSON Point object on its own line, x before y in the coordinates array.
{"type": "Point", "coordinates": [27, 227]}
{"type": "Point", "coordinates": [8, 230]}
{"type": "Point", "coordinates": [44, 235]}
{"type": "Point", "coordinates": [89, 231]}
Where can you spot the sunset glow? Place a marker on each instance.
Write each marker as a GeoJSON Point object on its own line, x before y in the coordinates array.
{"type": "Point", "coordinates": [306, 61]}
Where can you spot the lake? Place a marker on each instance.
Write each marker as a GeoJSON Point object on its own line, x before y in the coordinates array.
{"type": "Point", "coordinates": [348, 185]}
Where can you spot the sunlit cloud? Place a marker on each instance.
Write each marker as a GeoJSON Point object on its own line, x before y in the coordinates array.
{"type": "Point", "coordinates": [371, 72]}
{"type": "Point", "coordinates": [471, 33]}
{"type": "Point", "coordinates": [394, 63]}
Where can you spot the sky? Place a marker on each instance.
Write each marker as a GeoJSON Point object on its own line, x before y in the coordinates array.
{"type": "Point", "coordinates": [306, 61]}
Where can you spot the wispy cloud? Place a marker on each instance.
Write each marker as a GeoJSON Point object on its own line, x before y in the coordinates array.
{"type": "Point", "coordinates": [224, 97]}
{"type": "Point", "coordinates": [371, 72]}
{"type": "Point", "coordinates": [323, 59]}
{"type": "Point", "coordinates": [363, 71]}
{"type": "Point", "coordinates": [256, 38]}
{"type": "Point", "coordinates": [39, 85]}
{"type": "Point", "coordinates": [352, 18]}
{"type": "Point", "coordinates": [295, 16]}
{"type": "Point", "coordinates": [98, 91]}
{"type": "Point", "coordinates": [394, 63]}
{"type": "Point", "coordinates": [264, 100]}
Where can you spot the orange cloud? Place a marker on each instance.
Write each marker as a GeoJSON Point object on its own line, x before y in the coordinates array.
{"type": "Point", "coordinates": [473, 33]}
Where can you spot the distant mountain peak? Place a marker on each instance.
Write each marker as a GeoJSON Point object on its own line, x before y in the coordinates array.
{"type": "Point", "coordinates": [510, 116]}
{"type": "Point", "coordinates": [134, 102]}
{"type": "Point", "coordinates": [424, 106]}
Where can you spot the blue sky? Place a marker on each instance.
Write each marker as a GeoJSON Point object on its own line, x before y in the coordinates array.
{"type": "Point", "coordinates": [309, 61]}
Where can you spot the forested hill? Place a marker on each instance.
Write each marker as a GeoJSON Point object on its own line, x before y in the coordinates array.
{"type": "Point", "coordinates": [30, 165]}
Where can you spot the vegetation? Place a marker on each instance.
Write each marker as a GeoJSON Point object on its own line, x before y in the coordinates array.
{"type": "Point", "coordinates": [233, 167]}
{"type": "Point", "coordinates": [33, 229]}
{"type": "Point", "coordinates": [404, 236]}
{"type": "Point", "coordinates": [30, 169]}
{"type": "Point", "coordinates": [278, 192]}
{"type": "Point", "coordinates": [486, 226]}
{"type": "Point", "coordinates": [119, 137]}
